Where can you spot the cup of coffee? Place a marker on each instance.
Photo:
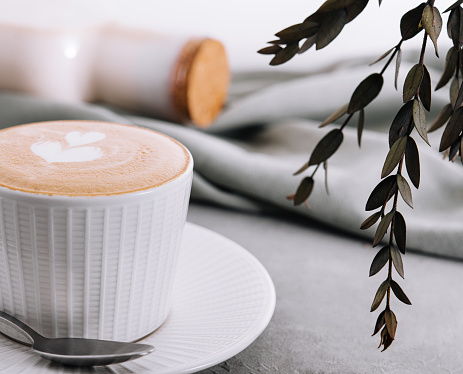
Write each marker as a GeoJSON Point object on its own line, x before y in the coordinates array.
{"type": "Point", "coordinates": [91, 220]}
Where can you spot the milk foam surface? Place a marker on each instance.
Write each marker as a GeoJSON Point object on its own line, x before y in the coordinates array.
{"type": "Point", "coordinates": [81, 158]}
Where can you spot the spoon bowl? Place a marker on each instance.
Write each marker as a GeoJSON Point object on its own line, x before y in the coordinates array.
{"type": "Point", "coordinates": [76, 351]}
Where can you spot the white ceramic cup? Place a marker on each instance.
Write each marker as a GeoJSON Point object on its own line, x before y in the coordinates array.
{"type": "Point", "coordinates": [92, 266]}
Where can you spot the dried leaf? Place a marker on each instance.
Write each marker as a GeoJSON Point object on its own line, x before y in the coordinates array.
{"type": "Point", "coordinates": [449, 28]}
{"type": "Point", "coordinates": [412, 162]}
{"type": "Point", "coordinates": [304, 190]}
{"type": "Point", "coordinates": [275, 42]}
{"type": "Point", "coordinates": [382, 193]}
{"type": "Point", "coordinates": [402, 123]}
{"type": "Point", "coordinates": [382, 228]}
{"type": "Point", "coordinates": [454, 90]}
{"type": "Point", "coordinates": [333, 5]}
{"type": "Point", "coordinates": [397, 260]}
{"type": "Point", "coordinates": [454, 5]}
{"type": "Point", "coordinates": [391, 322]}
{"type": "Point", "coordinates": [397, 67]}
{"type": "Point", "coordinates": [316, 17]}
{"type": "Point", "coordinates": [380, 260]}
{"type": "Point", "coordinates": [412, 82]}
{"type": "Point", "coordinates": [460, 64]}
{"type": "Point", "coordinates": [404, 189]}
{"type": "Point", "coordinates": [380, 322]}
{"type": "Point", "coordinates": [360, 126]}
{"type": "Point", "coordinates": [454, 149]}
{"type": "Point", "coordinates": [387, 341]}
{"type": "Point", "coordinates": [331, 26]}
{"type": "Point", "coordinates": [271, 50]}
{"type": "Point", "coordinates": [399, 293]}
{"type": "Point", "coordinates": [454, 28]}
{"type": "Point", "coordinates": [297, 32]}
{"type": "Point", "coordinates": [309, 42]}
{"type": "Point", "coordinates": [291, 197]}
{"type": "Point", "coordinates": [302, 168]}
{"type": "Point", "coordinates": [326, 147]}
{"type": "Point", "coordinates": [451, 61]}
{"type": "Point", "coordinates": [379, 295]}
{"type": "Point", "coordinates": [410, 24]}
{"type": "Point", "coordinates": [285, 54]}
{"type": "Point", "coordinates": [452, 130]}
{"type": "Point", "coordinates": [370, 221]}
{"type": "Point", "coordinates": [384, 334]}
{"type": "Point", "coordinates": [441, 118]}
{"type": "Point", "coordinates": [355, 9]}
{"type": "Point", "coordinates": [400, 232]}
{"type": "Point", "coordinates": [365, 92]}
{"type": "Point", "coordinates": [432, 23]}
{"type": "Point", "coordinates": [425, 90]}
{"type": "Point", "coordinates": [335, 116]}
{"type": "Point", "coordinates": [419, 118]}
{"type": "Point", "coordinates": [325, 167]}
{"type": "Point", "coordinates": [394, 156]}
{"type": "Point", "coordinates": [384, 55]}
{"type": "Point", "coordinates": [459, 99]}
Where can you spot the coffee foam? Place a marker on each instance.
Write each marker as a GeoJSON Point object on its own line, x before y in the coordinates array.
{"type": "Point", "coordinates": [87, 158]}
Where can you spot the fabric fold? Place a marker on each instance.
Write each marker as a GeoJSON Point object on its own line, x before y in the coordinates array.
{"type": "Point", "coordinates": [246, 160]}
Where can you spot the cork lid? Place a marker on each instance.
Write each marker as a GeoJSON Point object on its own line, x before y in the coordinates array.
{"type": "Point", "coordinates": [201, 81]}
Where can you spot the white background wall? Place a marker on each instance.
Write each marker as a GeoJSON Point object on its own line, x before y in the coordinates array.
{"type": "Point", "coordinates": [243, 25]}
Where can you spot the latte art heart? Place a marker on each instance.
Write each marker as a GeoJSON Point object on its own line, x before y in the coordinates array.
{"type": "Point", "coordinates": [52, 151]}
{"type": "Point", "coordinates": [75, 138]}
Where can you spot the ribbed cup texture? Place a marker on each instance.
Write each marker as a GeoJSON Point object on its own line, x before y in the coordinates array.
{"type": "Point", "coordinates": [222, 300]}
{"type": "Point", "coordinates": [96, 271]}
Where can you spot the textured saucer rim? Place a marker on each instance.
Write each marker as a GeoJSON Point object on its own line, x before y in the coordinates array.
{"type": "Point", "coordinates": [258, 328]}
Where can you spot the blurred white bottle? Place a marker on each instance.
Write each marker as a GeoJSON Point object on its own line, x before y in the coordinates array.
{"type": "Point", "coordinates": [176, 78]}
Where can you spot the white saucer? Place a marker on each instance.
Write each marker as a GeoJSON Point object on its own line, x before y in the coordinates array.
{"type": "Point", "coordinates": [223, 300]}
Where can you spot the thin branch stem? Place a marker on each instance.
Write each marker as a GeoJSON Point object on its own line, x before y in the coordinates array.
{"type": "Point", "coordinates": [397, 48]}
{"type": "Point", "coordinates": [315, 170]}
{"type": "Point", "coordinates": [346, 121]}
{"type": "Point", "coordinates": [423, 48]}
{"type": "Point", "coordinates": [388, 296]}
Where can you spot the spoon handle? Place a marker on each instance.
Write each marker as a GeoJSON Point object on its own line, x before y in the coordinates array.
{"type": "Point", "coordinates": [77, 351]}
{"type": "Point", "coordinates": [20, 327]}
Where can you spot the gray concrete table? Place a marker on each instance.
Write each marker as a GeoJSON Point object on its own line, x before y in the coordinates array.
{"type": "Point", "coordinates": [322, 322]}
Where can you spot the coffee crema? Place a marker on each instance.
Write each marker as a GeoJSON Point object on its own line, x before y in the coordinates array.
{"type": "Point", "coordinates": [87, 158]}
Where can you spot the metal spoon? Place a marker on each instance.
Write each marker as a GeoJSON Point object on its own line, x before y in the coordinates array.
{"type": "Point", "coordinates": [77, 351]}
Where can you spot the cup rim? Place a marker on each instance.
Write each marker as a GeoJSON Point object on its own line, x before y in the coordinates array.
{"type": "Point", "coordinates": [92, 200]}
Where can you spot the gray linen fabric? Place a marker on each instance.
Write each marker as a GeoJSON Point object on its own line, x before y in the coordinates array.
{"type": "Point", "coordinates": [267, 131]}
{"type": "Point", "coordinates": [322, 323]}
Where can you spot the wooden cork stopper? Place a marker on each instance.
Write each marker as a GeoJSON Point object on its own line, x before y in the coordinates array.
{"type": "Point", "coordinates": [201, 81]}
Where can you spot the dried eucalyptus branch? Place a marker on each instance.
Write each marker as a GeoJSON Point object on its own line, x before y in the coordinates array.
{"type": "Point", "coordinates": [320, 29]}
